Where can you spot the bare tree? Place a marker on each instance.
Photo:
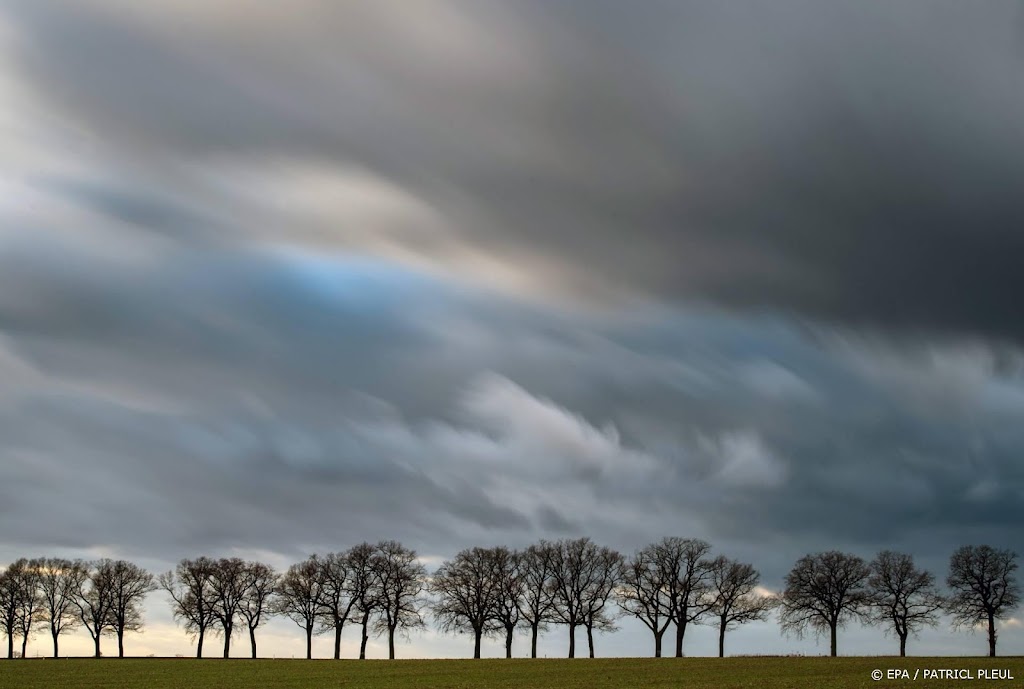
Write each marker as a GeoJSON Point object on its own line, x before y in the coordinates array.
{"type": "Point", "coordinates": [583, 578]}
{"type": "Point", "coordinates": [399, 581]}
{"type": "Point", "coordinates": [537, 601]}
{"type": "Point", "coordinates": [95, 601]}
{"type": "Point", "coordinates": [362, 588]}
{"type": "Point", "coordinates": [903, 596]}
{"type": "Point", "coordinates": [984, 587]}
{"type": "Point", "coordinates": [606, 574]}
{"type": "Point", "coordinates": [59, 582]}
{"type": "Point", "coordinates": [688, 588]}
{"type": "Point", "coordinates": [28, 578]}
{"type": "Point", "coordinates": [735, 601]}
{"type": "Point", "coordinates": [509, 574]}
{"type": "Point", "coordinates": [337, 602]}
{"type": "Point", "coordinates": [261, 582]}
{"type": "Point", "coordinates": [568, 580]}
{"type": "Point", "coordinates": [300, 596]}
{"type": "Point", "coordinates": [228, 584]}
{"type": "Point", "coordinates": [647, 580]}
{"type": "Point", "coordinates": [20, 603]}
{"type": "Point", "coordinates": [193, 598]}
{"type": "Point", "coordinates": [823, 591]}
{"type": "Point", "coordinates": [129, 585]}
{"type": "Point", "coordinates": [10, 607]}
{"type": "Point", "coordinates": [466, 590]}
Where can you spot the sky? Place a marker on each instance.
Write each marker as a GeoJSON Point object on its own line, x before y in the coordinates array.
{"type": "Point", "coordinates": [276, 279]}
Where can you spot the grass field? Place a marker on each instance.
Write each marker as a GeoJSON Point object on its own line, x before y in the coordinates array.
{"type": "Point", "coordinates": [790, 673]}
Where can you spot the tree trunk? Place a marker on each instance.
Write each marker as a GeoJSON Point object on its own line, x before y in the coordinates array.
{"type": "Point", "coordinates": [833, 652]}
{"type": "Point", "coordinates": [199, 642]}
{"type": "Point", "coordinates": [120, 643]}
{"type": "Point", "coordinates": [337, 641]}
{"type": "Point", "coordinates": [96, 640]}
{"type": "Point", "coordinates": [991, 636]}
{"type": "Point", "coordinates": [10, 646]}
{"type": "Point", "coordinates": [309, 643]}
{"type": "Point", "coordinates": [657, 642]}
{"type": "Point", "coordinates": [534, 629]}
{"type": "Point", "coordinates": [572, 640]}
{"type": "Point", "coordinates": [722, 623]}
{"type": "Point", "coordinates": [55, 652]}
{"type": "Point", "coordinates": [680, 632]}
{"type": "Point", "coordinates": [24, 645]}
{"type": "Point", "coordinates": [252, 641]}
{"type": "Point", "coordinates": [590, 639]}
{"type": "Point", "coordinates": [227, 641]}
{"type": "Point", "coordinates": [477, 633]}
{"type": "Point", "coordinates": [391, 643]}
{"type": "Point", "coordinates": [366, 636]}
{"type": "Point", "coordinates": [903, 645]}
{"type": "Point", "coordinates": [509, 629]}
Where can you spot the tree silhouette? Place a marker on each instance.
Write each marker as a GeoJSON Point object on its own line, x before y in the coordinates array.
{"type": "Point", "coordinates": [646, 584]}
{"type": "Point", "coordinates": [903, 596]}
{"type": "Point", "coordinates": [28, 579]}
{"type": "Point", "coordinates": [492, 591]}
{"type": "Point", "coordinates": [59, 582]}
{"type": "Point", "coordinates": [20, 603]}
{"type": "Point", "coordinates": [95, 601]}
{"type": "Point", "coordinates": [508, 572]}
{"type": "Point", "coordinates": [688, 589]}
{"type": "Point", "coordinates": [984, 587]}
{"type": "Point", "coordinates": [583, 577]}
{"type": "Point", "coordinates": [537, 601]}
{"type": "Point", "coordinates": [399, 580]}
{"type": "Point", "coordinates": [300, 596]}
{"type": "Point", "coordinates": [466, 590]}
{"type": "Point", "coordinates": [261, 582]}
{"type": "Point", "coordinates": [362, 588]}
{"type": "Point", "coordinates": [732, 590]}
{"type": "Point", "coordinates": [228, 584]}
{"type": "Point", "coordinates": [129, 585]}
{"type": "Point", "coordinates": [193, 597]}
{"type": "Point", "coordinates": [823, 591]}
{"type": "Point", "coordinates": [337, 602]}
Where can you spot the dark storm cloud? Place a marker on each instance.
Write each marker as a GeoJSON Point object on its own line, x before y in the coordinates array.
{"type": "Point", "coordinates": [295, 403]}
{"type": "Point", "coordinates": [855, 162]}
{"type": "Point", "coordinates": [213, 327]}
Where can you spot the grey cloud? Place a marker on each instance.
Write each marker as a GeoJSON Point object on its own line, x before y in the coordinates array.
{"type": "Point", "coordinates": [852, 162]}
{"type": "Point", "coordinates": [328, 403]}
{"type": "Point", "coordinates": [138, 209]}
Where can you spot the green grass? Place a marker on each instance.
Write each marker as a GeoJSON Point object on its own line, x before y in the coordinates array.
{"type": "Point", "coordinates": [816, 673]}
